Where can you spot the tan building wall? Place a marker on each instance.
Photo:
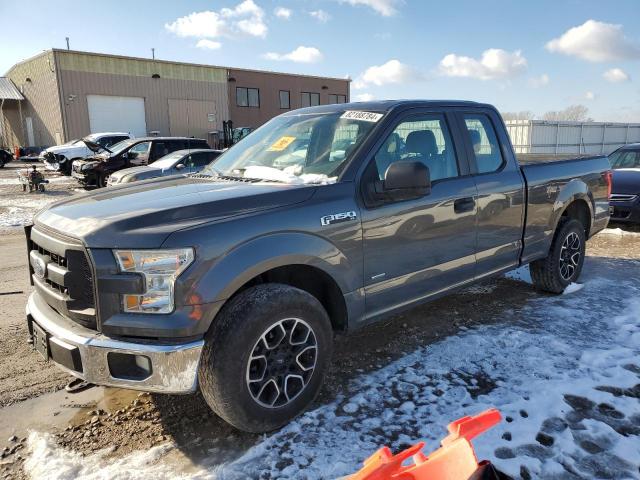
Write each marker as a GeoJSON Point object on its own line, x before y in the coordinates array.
{"type": "Point", "coordinates": [270, 84]}
{"type": "Point", "coordinates": [187, 92]}
{"type": "Point", "coordinates": [37, 81]}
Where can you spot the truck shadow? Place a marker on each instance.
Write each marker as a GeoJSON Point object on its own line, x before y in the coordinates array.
{"type": "Point", "coordinates": [207, 439]}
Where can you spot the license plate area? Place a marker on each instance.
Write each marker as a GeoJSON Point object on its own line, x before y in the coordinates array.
{"type": "Point", "coordinates": [40, 341]}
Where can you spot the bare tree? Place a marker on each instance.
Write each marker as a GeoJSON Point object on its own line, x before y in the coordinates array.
{"type": "Point", "coordinates": [523, 115]}
{"type": "Point", "coordinates": [573, 113]}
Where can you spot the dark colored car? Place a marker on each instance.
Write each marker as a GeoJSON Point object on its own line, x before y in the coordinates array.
{"type": "Point", "coordinates": [179, 162]}
{"type": "Point", "coordinates": [233, 281]}
{"type": "Point", "coordinates": [95, 171]}
{"type": "Point", "coordinates": [625, 189]}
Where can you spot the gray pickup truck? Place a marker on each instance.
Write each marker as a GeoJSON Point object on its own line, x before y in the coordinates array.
{"type": "Point", "coordinates": [232, 281]}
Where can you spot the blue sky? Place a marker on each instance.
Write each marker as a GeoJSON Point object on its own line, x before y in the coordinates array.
{"type": "Point", "coordinates": [533, 55]}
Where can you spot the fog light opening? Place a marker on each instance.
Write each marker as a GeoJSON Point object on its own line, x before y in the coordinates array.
{"type": "Point", "coordinates": [128, 366]}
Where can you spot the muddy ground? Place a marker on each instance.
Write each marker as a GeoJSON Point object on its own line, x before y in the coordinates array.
{"type": "Point", "coordinates": [125, 421]}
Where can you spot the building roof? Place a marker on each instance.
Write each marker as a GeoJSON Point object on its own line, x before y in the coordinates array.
{"type": "Point", "coordinates": [179, 63]}
{"type": "Point", "coordinates": [8, 90]}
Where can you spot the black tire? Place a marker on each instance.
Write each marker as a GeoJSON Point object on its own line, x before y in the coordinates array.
{"type": "Point", "coordinates": [239, 334]}
{"type": "Point", "coordinates": [101, 181]}
{"type": "Point", "coordinates": [565, 260]}
{"type": "Point", "coordinates": [24, 187]}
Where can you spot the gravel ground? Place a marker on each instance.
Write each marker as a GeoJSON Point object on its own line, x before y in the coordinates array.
{"type": "Point", "coordinates": [111, 431]}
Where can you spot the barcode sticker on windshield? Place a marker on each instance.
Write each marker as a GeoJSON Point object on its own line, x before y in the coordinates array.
{"type": "Point", "coordinates": [365, 116]}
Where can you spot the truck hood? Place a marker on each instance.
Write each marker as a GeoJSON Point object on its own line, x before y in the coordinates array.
{"type": "Point", "coordinates": [144, 214]}
{"type": "Point", "coordinates": [68, 150]}
{"type": "Point", "coordinates": [626, 180]}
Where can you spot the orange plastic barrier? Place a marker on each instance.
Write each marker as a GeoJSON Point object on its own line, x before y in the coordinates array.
{"type": "Point", "coordinates": [454, 460]}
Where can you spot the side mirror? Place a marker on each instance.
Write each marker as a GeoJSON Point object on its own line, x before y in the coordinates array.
{"type": "Point", "coordinates": [404, 180]}
{"type": "Point", "coordinates": [180, 166]}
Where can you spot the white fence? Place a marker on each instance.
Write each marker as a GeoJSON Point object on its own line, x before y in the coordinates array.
{"type": "Point", "coordinates": [556, 138]}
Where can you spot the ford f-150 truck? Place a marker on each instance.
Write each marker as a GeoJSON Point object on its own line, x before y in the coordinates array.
{"type": "Point", "coordinates": [233, 280]}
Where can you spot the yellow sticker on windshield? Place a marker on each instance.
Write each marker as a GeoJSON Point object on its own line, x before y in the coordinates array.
{"type": "Point", "coordinates": [281, 144]}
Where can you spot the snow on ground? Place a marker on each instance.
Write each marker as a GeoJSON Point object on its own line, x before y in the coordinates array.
{"type": "Point", "coordinates": [617, 231]}
{"type": "Point", "coordinates": [563, 370]}
{"type": "Point", "coordinates": [18, 211]}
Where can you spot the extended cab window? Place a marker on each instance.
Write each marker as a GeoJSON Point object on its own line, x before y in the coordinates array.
{"type": "Point", "coordinates": [484, 142]}
{"type": "Point", "coordinates": [425, 139]}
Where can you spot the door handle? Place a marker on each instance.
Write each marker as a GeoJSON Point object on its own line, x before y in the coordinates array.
{"type": "Point", "coordinates": [462, 205]}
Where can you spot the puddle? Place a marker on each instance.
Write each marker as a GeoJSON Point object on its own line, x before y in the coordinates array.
{"type": "Point", "coordinates": [54, 411]}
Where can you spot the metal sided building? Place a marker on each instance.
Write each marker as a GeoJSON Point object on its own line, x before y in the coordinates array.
{"type": "Point", "coordinates": [561, 138]}
{"type": "Point", "coordinates": [68, 94]}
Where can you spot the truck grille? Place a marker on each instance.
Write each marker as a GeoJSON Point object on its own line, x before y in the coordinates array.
{"type": "Point", "coordinates": [66, 283]}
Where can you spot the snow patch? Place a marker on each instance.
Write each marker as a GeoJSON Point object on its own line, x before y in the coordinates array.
{"type": "Point", "coordinates": [572, 288]}
{"type": "Point", "coordinates": [289, 174]}
{"type": "Point", "coordinates": [47, 460]}
{"type": "Point", "coordinates": [617, 231]}
{"type": "Point", "coordinates": [521, 274]}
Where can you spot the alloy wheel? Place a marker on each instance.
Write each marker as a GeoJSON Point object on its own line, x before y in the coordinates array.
{"type": "Point", "coordinates": [282, 362]}
{"type": "Point", "coordinates": [570, 253]}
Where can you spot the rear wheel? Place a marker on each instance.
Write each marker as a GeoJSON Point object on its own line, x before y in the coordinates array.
{"type": "Point", "coordinates": [264, 358]}
{"type": "Point", "coordinates": [565, 260]}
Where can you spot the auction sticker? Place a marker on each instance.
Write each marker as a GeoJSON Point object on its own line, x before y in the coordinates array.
{"type": "Point", "coordinates": [281, 144]}
{"type": "Point", "coordinates": [365, 116]}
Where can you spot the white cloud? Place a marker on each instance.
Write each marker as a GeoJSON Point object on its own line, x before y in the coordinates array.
{"type": "Point", "coordinates": [245, 18]}
{"type": "Point", "coordinates": [616, 75]}
{"type": "Point", "coordinates": [364, 97]}
{"type": "Point", "coordinates": [320, 15]}
{"type": "Point", "coordinates": [393, 71]}
{"type": "Point", "coordinates": [596, 42]}
{"type": "Point", "coordinates": [299, 55]}
{"type": "Point", "coordinates": [208, 44]}
{"type": "Point", "coordinates": [589, 95]}
{"type": "Point", "coordinates": [386, 8]}
{"type": "Point", "coordinates": [283, 13]}
{"type": "Point", "coordinates": [541, 81]}
{"type": "Point", "coordinates": [494, 63]}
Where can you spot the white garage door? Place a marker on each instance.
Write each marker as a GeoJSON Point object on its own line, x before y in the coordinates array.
{"type": "Point", "coordinates": [117, 114]}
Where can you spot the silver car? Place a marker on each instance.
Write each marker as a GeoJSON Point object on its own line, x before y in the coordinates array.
{"type": "Point", "coordinates": [175, 163]}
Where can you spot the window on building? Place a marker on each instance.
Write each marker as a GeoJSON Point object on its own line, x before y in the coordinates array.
{"type": "Point", "coordinates": [309, 99]}
{"type": "Point", "coordinates": [334, 98]}
{"type": "Point", "coordinates": [285, 101]}
{"type": "Point", "coordinates": [247, 97]}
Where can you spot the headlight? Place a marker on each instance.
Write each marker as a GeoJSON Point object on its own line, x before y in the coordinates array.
{"type": "Point", "coordinates": [88, 166]}
{"type": "Point", "coordinates": [128, 179]}
{"type": "Point", "coordinates": [160, 268]}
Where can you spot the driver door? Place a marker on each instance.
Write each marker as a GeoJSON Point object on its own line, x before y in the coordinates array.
{"type": "Point", "coordinates": [419, 247]}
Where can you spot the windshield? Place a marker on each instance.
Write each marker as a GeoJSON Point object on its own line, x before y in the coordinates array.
{"type": "Point", "coordinates": [169, 160]}
{"type": "Point", "coordinates": [625, 159]}
{"type": "Point", "coordinates": [120, 146]}
{"type": "Point", "coordinates": [305, 148]}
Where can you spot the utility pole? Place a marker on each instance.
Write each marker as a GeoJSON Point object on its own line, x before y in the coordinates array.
{"type": "Point", "coordinates": [153, 53]}
{"type": "Point", "coordinates": [67, 39]}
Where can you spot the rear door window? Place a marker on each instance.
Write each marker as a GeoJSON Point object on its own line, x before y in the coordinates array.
{"type": "Point", "coordinates": [484, 143]}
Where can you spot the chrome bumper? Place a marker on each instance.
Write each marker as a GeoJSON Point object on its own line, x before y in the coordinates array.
{"type": "Point", "coordinates": [174, 368]}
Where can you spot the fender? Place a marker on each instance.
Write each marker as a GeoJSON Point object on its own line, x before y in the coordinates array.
{"type": "Point", "coordinates": [220, 279]}
{"type": "Point", "coordinates": [575, 189]}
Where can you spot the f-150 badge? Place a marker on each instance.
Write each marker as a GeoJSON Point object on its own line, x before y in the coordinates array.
{"type": "Point", "coordinates": [338, 218]}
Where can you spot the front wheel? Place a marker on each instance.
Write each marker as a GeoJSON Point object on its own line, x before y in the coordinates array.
{"type": "Point", "coordinates": [102, 180]}
{"type": "Point", "coordinates": [564, 263]}
{"type": "Point", "coordinates": [264, 358]}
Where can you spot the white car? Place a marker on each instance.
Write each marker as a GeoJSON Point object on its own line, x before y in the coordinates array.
{"type": "Point", "coordinates": [60, 157]}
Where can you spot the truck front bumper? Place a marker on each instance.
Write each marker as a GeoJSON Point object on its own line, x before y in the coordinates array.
{"type": "Point", "coordinates": [101, 360]}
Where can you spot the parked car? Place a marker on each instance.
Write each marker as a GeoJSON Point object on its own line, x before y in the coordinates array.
{"type": "Point", "coordinates": [5, 157]}
{"type": "Point", "coordinates": [625, 190]}
{"type": "Point", "coordinates": [60, 157]}
{"type": "Point", "coordinates": [176, 163]}
{"type": "Point", "coordinates": [95, 171]}
{"type": "Point", "coordinates": [234, 280]}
